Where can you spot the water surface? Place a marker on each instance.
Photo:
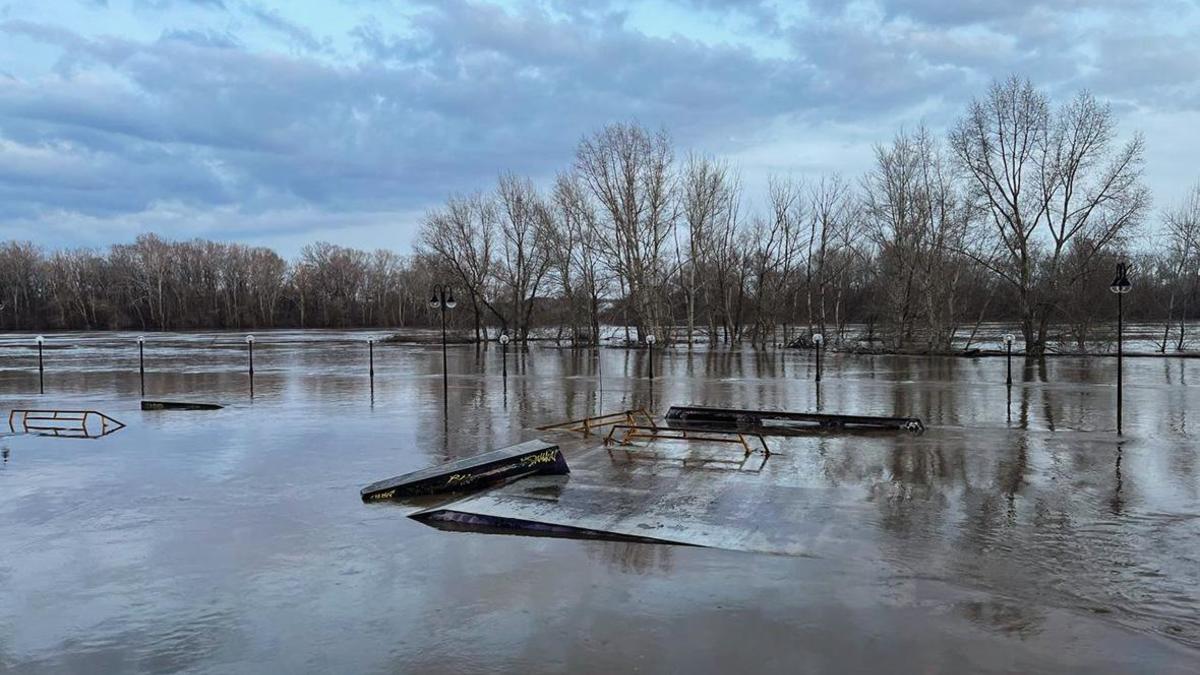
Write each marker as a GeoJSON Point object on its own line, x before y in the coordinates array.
{"type": "Point", "coordinates": [1018, 534]}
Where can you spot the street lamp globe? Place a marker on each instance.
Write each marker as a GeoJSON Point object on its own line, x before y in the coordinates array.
{"type": "Point", "coordinates": [818, 338]}
{"type": "Point", "coordinates": [1009, 338]}
{"type": "Point", "coordinates": [434, 302]}
{"type": "Point", "coordinates": [650, 340]}
{"type": "Point", "coordinates": [141, 339]}
{"type": "Point", "coordinates": [504, 339]}
{"type": "Point", "coordinates": [451, 303]}
{"type": "Point", "coordinates": [39, 339]}
{"type": "Point", "coordinates": [250, 339]}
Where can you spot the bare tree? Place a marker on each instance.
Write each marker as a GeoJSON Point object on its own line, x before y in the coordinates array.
{"type": "Point", "coordinates": [1183, 258]}
{"type": "Point", "coordinates": [524, 260]}
{"type": "Point", "coordinates": [461, 235]}
{"type": "Point", "coordinates": [627, 169]}
{"type": "Point", "coordinates": [1046, 177]}
{"type": "Point", "coordinates": [707, 192]}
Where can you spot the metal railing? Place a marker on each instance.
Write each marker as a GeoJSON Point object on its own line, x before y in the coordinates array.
{"type": "Point", "coordinates": [61, 423]}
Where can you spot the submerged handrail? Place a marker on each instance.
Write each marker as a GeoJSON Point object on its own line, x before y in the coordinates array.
{"type": "Point", "coordinates": [61, 423]}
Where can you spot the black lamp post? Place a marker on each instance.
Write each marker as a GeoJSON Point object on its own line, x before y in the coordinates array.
{"type": "Point", "coordinates": [1120, 286]}
{"type": "Point", "coordinates": [1008, 342]}
{"type": "Point", "coordinates": [650, 340]}
{"type": "Point", "coordinates": [504, 340]}
{"type": "Point", "coordinates": [817, 340]}
{"type": "Point", "coordinates": [41, 368]}
{"type": "Point", "coordinates": [250, 353]}
{"type": "Point", "coordinates": [442, 300]}
{"type": "Point", "coordinates": [141, 340]}
{"type": "Point", "coordinates": [371, 365]}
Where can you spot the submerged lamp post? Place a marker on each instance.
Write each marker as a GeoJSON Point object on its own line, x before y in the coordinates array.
{"type": "Point", "coordinates": [1120, 286]}
{"type": "Point", "coordinates": [41, 369]}
{"type": "Point", "coordinates": [817, 340]}
{"type": "Point", "coordinates": [504, 340]}
{"type": "Point", "coordinates": [141, 340]}
{"type": "Point", "coordinates": [443, 299]}
{"type": "Point", "coordinates": [650, 340]}
{"type": "Point", "coordinates": [250, 352]}
{"type": "Point", "coordinates": [371, 364]}
{"type": "Point", "coordinates": [1008, 342]}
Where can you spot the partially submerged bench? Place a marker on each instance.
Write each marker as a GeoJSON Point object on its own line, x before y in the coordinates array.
{"type": "Point", "coordinates": [782, 422]}
{"type": "Point", "coordinates": [523, 459]}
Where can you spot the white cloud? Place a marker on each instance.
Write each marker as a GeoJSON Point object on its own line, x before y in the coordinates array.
{"type": "Point", "coordinates": [276, 123]}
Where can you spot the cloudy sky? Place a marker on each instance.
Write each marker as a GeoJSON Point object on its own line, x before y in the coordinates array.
{"type": "Point", "coordinates": [281, 123]}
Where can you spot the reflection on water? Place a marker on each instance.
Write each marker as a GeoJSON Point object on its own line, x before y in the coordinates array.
{"type": "Point", "coordinates": [228, 540]}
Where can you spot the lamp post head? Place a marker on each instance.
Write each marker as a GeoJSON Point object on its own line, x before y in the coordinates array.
{"type": "Point", "coordinates": [39, 339]}
{"type": "Point", "coordinates": [1120, 283]}
{"type": "Point", "coordinates": [650, 340]}
{"type": "Point", "coordinates": [1009, 338]}
{"type": "Point", "coordinates": [435, 302]}
{"type": "Point", "coordinates": [249, 339]}
{"type": "Point", "coordinates": [141, 339]}
{"type": "Point", "coordinates": [504, 339]}
{"type": "Point", "coordinates": [818, 338]}
{"type": "Point", "coordinates": [451, 303]}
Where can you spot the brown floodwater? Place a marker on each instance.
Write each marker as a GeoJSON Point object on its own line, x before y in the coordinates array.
{"type": "Point", "coordinates": [1018, 534]}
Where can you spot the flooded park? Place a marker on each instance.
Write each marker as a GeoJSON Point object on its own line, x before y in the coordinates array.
{"type": "Point", "coordinates": [1018, 533]}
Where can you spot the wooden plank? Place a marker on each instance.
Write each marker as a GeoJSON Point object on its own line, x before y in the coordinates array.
{"type": "Point", "coordinates": [523, 459]}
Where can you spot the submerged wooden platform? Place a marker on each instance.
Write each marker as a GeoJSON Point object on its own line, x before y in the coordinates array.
{"type": "Point", "coordinates": [782, 422]}
{"type": "Point", "coordinates": [524, 459]}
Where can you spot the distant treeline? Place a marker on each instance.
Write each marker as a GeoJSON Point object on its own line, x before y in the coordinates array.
{"type": "Point", "coordinates": [1020, 214]}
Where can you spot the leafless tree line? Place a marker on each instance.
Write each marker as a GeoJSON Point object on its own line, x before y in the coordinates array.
{"type": "Point", "coordinates": [1019, 214]}
{"type": "Point", "coordinates": [154, 284]}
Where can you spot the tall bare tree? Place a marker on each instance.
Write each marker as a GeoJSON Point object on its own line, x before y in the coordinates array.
{"type": "Point", "coordinates": [627, 169]}
{"type": "Point", "coordinates": [1046, 177]}
{"type": "Point", "coordinates": [524, 256]}
{"type": "Point", "coordinates": [708, 192]}
{"type": "Point", "coordinates": [461, 235]}
{"type": "Point", "coordinates": [1183, 261]}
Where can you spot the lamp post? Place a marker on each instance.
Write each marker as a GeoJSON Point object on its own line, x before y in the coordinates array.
{"type": "Point", "coordinates": [504, 340]}
{"type": "Point", "coordinates": [817, 340]}
{"type": "Point", "coordinates": [442, 300]}
{"type": "Point", "coordinates": [41, 369]}
{"type": "Point", "coordinates": [1120, 286]}
{"type": "Point", "coordinates": [1008, 342]}
{"type": "Point", "coordinates": [141, 340]}
{"type": "Point", "coordinates": [650, 340]}
{"type": "Point", "coordinates": [250, 353]}
{"type": "Point", "coordinates": [371, 365]}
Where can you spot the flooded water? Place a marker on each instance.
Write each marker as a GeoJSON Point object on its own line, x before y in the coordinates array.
{"type": "Point", "coordinates": [1018, 534]}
